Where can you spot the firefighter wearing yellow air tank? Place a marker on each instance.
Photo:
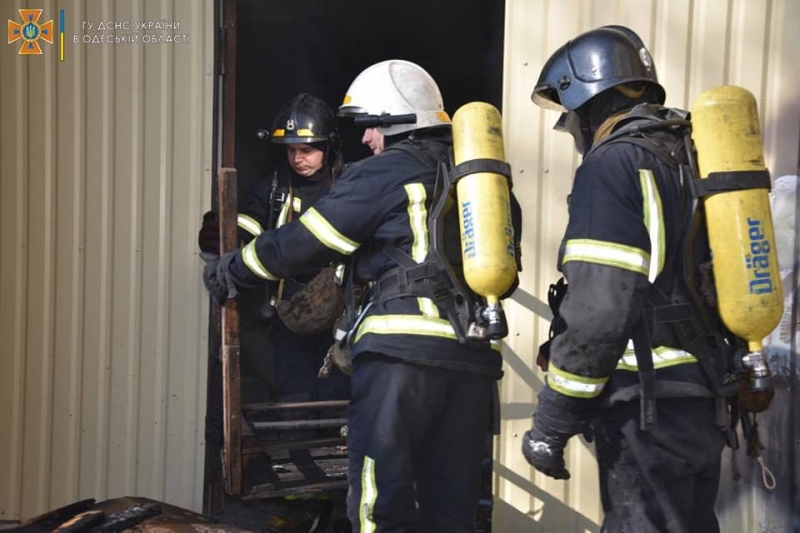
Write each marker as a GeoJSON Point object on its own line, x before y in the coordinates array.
{"type": "Point", "coordinates": [421, 401]}
{"type": "Point", "coordinates": [630, 359]}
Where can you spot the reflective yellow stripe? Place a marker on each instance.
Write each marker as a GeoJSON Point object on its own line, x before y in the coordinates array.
{"type": "Point", "coordinates": [279, 132]}
{"type": "Point", "coordinates": [663, 357]}
{"type": "Point", "coordinates": [409, 325]}
{"type": "Point", "coordinates": [369, 494]}
{"type": "Point", "coordinates": [327, 234]}
{"type": "Point", "coordinates": [296, 203]}
{"type": "Point", "coordinates": [654, 221]}
{"type": "Point", "coordinates": [418, 221]}
{"type": "Point", "coordinates": [607, 253]}
{"type": "Point", "coordinates": [305, 132]}
{"type": "Point", "coordinates": [252, 262]}
{"type": "Point", "coordinates": [406, 325]}
{"type": "Point", "coordinates": [573, 385]}
{"type": "Point", "coordinates": [427, 307]}
{"type": "Point", "coordinates": [250, 225]}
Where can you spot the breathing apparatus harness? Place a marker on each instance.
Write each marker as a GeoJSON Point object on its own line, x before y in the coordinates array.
{"type": "Point", "coordinates": [681, 312]}
{"type": "Point", "coordinates": [438, 277]}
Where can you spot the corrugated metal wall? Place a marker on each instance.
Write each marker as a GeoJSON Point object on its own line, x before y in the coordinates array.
{"type": "Point", "coordinates": [105, 172]}
{"type": "Point", "coordinates": [696, 44]}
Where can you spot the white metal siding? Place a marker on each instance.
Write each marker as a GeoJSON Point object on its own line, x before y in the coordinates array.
{"type": "Point", "coordinates": [105, 173]}
{"type": "Point", "coordinates": [696, 45]}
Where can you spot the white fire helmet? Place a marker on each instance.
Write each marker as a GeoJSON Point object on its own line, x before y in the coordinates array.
{"type": "Point", "coordinates": [396, 87]}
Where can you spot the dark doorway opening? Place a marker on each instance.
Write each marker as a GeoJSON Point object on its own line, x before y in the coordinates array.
{"type": "Point", "coordinates": [283, 48]}
{"type": "Point", "coordinates": [320, 46]}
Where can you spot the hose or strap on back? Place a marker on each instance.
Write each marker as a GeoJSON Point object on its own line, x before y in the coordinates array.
{"type": "Point", "coordinates": [728, 181]}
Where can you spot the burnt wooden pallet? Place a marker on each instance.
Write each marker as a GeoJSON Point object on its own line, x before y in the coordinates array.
{"type": "Point", "coordinates": [292, 456]}
{"type": "Point", "coordinates": [302, 469]}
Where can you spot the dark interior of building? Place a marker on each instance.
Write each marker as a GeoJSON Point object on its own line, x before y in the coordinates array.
{"type": "Point", "coordinates": [319, 47]}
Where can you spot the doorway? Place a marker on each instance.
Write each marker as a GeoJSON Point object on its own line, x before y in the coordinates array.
{"type": "Point", "coordinates": [283, 48]}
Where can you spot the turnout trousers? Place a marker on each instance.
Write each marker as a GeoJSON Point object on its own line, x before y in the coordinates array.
{"type": "Point", "coordinates": [664, 479]}
{"type": "Point", "coordinates": [416, 441]}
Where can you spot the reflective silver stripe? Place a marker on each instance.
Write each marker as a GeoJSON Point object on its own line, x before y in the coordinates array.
{"type": "Point", "coordinates": [663, 357]}
{"type": "Point", "coordinates": [326, 233]}
{"type": "Point", "coordinates": [369, 494]}
{"type": "Point", "coordinates": [250, 225]}
{"type": "Point", "coordinates": [252, 262]}
{"type": "Point", "coordinates": [296, 204]}
{"type": "Point", "coordinates": [573, 385]}
{"type": "Point", "coordinates": [338, 274]}
{"type": "Point", "coordinates": [283, 216]}
{"type": "Point", "coordinates": [409, 325]}
{"type": "Point", "coordinates": [654, 221]}
{"type": "Point", "coordinates": [607, 253]}
{"type": "Point", "coordinates": [418, 220]}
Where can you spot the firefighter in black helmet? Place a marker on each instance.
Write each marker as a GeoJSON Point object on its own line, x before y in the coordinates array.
{"type": "Point", "coordinates": [304, 119]}
{"type": "Point", "coordinates": [307, 148]}
{"type": "Point", "coordinates": [621, 252]}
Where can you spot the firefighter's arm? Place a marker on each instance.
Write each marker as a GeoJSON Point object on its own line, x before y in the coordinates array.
{"type": "Point", "coordinates": [605, 259]}
{"type": "Point", "coordinates": [335, 227]}
{"type": "Point", "coordinates": [253, 218]}
{"type": "Point", "coordinates": [251, 221]}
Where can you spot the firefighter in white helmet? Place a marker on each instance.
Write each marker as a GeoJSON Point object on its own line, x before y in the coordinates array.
{"type": "Point", "coordinates": [421, 402]}
{"type": "Point", "coordinates": [361, 97]}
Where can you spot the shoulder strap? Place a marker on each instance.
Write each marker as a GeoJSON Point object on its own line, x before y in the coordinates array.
{"type": "Point", "coordinates": [662, 138]}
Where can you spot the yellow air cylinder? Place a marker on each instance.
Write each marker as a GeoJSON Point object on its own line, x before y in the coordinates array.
{"type": "Point", "coordinates": [726, 132]}
{"type": "Point", "coordinates": [487, 235]}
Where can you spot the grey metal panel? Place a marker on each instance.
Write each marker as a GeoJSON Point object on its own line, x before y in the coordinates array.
{"type": "Point", "coordinates": [14, 131]}
{"type": "Point", "coordinates": [105, 173]}
{"type": "Point", "coordinates": [696, 44]}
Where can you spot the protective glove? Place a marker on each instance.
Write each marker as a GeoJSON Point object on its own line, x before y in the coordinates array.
{"type": "Point", "coordinates": [208, 236]}
{"type": "Point", "coordinates": [545, 452]}
{"type": "Point", "coordinates": [217, 277]}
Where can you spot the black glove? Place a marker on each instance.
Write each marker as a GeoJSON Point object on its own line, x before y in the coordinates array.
{"type": "Point", "coordinates": [545, 452]}
{"type": "Point", "coordinates": [217, 276]}
{"type": "Point", "coordinates": [208, 236]}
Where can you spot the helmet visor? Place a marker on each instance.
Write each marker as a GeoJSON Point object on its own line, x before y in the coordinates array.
{"type": "Point", "coordinates": [546, 96]}
{"type": "Point", "coordinates": [351, 111]}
